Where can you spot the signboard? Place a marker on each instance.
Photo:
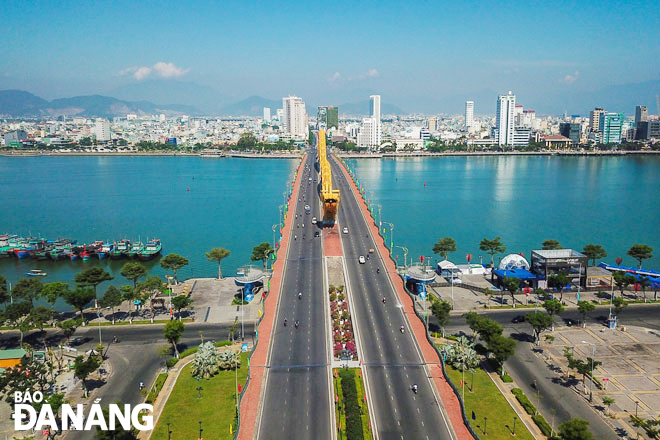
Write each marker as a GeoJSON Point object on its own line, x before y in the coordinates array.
{"type": "Point", "coordinates": [244, 348]}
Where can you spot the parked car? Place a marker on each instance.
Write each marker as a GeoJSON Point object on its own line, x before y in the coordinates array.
{"type": "Point", "coordinates": [313, 220]}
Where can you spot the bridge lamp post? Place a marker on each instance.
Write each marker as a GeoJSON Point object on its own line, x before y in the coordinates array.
{"type": "Point", "coordinates": [405, 255]}
{"type": "Point", "coordinates": [274, 227]}
{"type": "Point", "coordinates": [391, 235]}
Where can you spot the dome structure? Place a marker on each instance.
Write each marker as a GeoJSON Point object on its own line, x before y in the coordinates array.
{"type": "Point", "coordinates": [513, 261]}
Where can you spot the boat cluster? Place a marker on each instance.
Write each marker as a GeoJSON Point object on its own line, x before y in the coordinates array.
{"type": "Point", "coordinates": [67, 249]}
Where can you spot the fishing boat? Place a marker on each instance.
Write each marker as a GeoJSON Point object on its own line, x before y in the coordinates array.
{"type": "Point", "coordinates": [151, 249]}
{"type": "Point", "coordinates": [75, 252]}
{"type": "Point", "coordinates": [88, 252]}
{"type": "Point", "coordinates": [36, 273]}
{"type": "Point", "coordinates": [104, 252]}
{"type": "Point", "coordinates": [136, 250]}
{"type": "Point", "coordinates": [121, 249]}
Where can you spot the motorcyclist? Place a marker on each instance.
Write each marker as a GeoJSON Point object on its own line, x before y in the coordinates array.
{"type": "Point", "coordinates": [141, 385]}
{"type": "Point", "coordinates": [378, 270]}
{"type": "Point", "coordinates": [295, 237]}
{"type": "Point", "coordinates": [115, 339]}
{"type": "Point", "coordinates": [299, 295]}
{"type": "Point", "coordinates": [297, 323]}
{"type": "Point", "coordinates": [284, 322]}
{"type": "Point", "coordinates": [414, 388]}
{"type": "Point", "coordinates": [384, 300]}
{"type": "Point", "coordinates": [401, 329]}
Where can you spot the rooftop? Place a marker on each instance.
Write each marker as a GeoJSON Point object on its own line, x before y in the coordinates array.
{"type": "Point", "coordinates": [13, 353]}
{"type": "Point", "coordinates": [558, 253]}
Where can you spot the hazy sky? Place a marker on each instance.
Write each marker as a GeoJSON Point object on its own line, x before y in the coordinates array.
{"type": "Point", "coordinates": [419, 50]}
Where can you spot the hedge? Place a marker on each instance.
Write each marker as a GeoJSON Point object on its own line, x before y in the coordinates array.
{"type": "Point", "coordinates": [524, 401]}
{"type": "Point", "coordinates": [351, 405]}
{"type": "Point", "coordinates": [158, 385]}
{"type": "Point", "coordinates": [542, 424]}
{"type": "Point", "coordinates": [506, 378]}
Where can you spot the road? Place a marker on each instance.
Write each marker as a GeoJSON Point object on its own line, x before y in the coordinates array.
{"type": "Point", "coordinates": [297, 400]}
{"type": "Point", "coordinates": [391, 360]}
{"type": "Point", "coordinates": [135, 358]}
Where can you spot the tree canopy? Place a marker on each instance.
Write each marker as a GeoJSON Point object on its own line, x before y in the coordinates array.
{"type": "Point", "coordinates": [492, 247]}
{"type": "Point", "coordinates": [444, 245]}
{"type": "Point", "coordinates": [133, 271]}
{"type": "Point", "coordinates": [594, 252]}
{"type": "Point", "coordinates": [550, 245]}
{"type": "Point", "coordinates": [218, 254]}
{"type": "Point", "coordinates": [174, 262]}
{"type": "Point", "coordinates": [640, 252]}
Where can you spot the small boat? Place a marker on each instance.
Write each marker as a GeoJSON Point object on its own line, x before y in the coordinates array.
{"type": "Point", "coordinates": [75, 252]}
{"type": "Point", "coordinates": [120, 249]}
{"type": "Point", "coordinates": [104, 252]}
{"type": "Point", "coordinates": [136, 250]}
{"type": "Point", "coordinates": [36, 273]}
{"type": "Point", "coordinates": [88, 252]}
{"type": "Point", "coordinates": [151, 249]}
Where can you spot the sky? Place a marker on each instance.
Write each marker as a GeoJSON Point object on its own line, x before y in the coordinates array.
{"type": "Point", "coordinates": [415, 53]}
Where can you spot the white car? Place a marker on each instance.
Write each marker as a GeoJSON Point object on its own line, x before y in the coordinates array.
{"type": "Point", "coordinates": [361, 260]}
{"type": "Point", "coordinates": [313, 220]}
{"type": "Point", "coordinates": [345, 230]}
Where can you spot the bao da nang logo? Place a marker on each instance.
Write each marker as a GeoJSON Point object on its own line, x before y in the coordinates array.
{"type": "Point", "coordinates": [73, 418]}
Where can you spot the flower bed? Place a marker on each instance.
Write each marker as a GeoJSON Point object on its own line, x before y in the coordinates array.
{"type": "Point", "coordinates": [342, 326]}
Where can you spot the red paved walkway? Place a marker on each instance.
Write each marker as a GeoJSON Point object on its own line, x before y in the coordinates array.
{"type": "Point", "coordinates": [252, 397]}
{"type": "Point", "coordinates": [449, 399]}
{"type": "Point", "coordinates": [331, 242]}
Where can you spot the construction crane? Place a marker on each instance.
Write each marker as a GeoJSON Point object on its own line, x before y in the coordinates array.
{"type": "Point", "coordinates": [329, 196]}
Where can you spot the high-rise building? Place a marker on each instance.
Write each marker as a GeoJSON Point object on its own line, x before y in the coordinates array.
{"type": "Point", "coordinates": [611, 127]}
{"type": "Point", "coordinates": [504, 118]}
{"type": "Point", "coordinates": [571, 131]}
{"type": "Point", "coordinates": [469, 114]}
{"type": "Point", "coordinates": [653, 131]}
{"type": "Point", "coordinates": [101, 130]}
{"type": "Point", "coordinates": [370, 130]}
{"type": "Point", "coordinates": [327, 117]}
{"type": "Point", "coordinates": [641, 114]}
{"type": "Point", "coordinates": [295, 116]}
{"type": "Point", "coordinates": [433, 124]}
{"type": "Point", "coordinates": [266, 114]}
{"type": "Point", "coordinates": [594, 118]}
{"type": "Point", "coordinates": [280, 115]}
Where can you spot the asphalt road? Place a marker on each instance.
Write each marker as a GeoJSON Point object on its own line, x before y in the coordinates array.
{"type": "Point", "coordinates": [134, 359]}
{"type": "Point", "coordinates": [297, 400]}
{"type": "Point", "coordinates": [392, 361]}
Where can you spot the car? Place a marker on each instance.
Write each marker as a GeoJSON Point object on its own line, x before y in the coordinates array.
{"type": "Point", "coordinates": [307, 209]}
{"type": "Point", "coordinates": [518, 319]}
{"type": "Point", "coordinates": [77, 341]}
{"type": "Point", "coordinates": [316, 233]}
{"type": "Point", "coordinates": [345, 230]}
{"type": "Point", "coordinates": [309, 180]}
{"type": "Point", "coordinates": [313, 220]}
{"type": "Point", "coordinates": [362, 260]}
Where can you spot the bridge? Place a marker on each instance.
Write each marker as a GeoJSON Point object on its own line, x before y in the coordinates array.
{"type": "Point", "coordinates": [329, 196]}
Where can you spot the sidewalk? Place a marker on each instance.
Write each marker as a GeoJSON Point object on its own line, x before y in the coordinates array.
{"type": "Point", "coordinates": [450, 401]}
{"type": "Point", "coordinates": [251, 401]}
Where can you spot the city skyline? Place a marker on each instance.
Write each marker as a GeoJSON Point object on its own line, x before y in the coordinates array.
{"type": "Point", "coordinates": [217, 52]}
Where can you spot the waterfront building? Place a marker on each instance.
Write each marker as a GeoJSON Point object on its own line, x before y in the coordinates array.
{"type": "Point", "coordinates": [327, 117]}
{"type": "Point", "coordinates": [521, 136]}
{"type": "Point", "coordinates": [504, 118]}
{"type": "Point", "coordinates": [374, 105]}
{"type": "Point", "coordinates": [642, 131]}
{"type": "Point", "coordinates": [551, 262]}
{"type": "Point", "coordinates": [295, 116]}
{"type": "Point", "coordinates": [571, 131]}
{"type": "Point", "coordinates": [266, 114]}
{"type": "Point", "coordinates": [641, 114]}
{"type": "Point", "coordinates": [611, 127]}
{"type": "Point", "coordinates": [101, 130]}
{"type": "Point", "coordinates": [555, 142]}
{"type": "Point", "coordinates": [594, 119]}
{"type": "Point", "coordinates": [424, 134]}
{"type": "Point", "coordinates": [653, 129]}
{"type": "Point", "coordinates": [366, 136]}
{"type": "Point", "coordinates": [469, 114]}
{"type": "Point", "coordinates": [14, 138]}
{"type": "Point", "coordinates": [432, 124]}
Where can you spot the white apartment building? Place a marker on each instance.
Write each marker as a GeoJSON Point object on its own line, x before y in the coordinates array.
{"type": "Point", "coordinates": [101, 130]}
{"type": "Point", "coordinates": [370, 130]}
{"type": "Point", "coordinates": [295, 116]}
{"type": "Point", "coordinates": [594, 118]}
{"type": "Point", "coordinates": [266, 114]}
{"type": "Point", "coordinates": [505, 121]}
{"type": "Point", "coordinates": [469, 114]}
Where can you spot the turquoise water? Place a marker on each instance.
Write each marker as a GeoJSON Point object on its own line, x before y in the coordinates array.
{"type": "Point", "coordinates": [611, 201]}
{"type": "Point", "coordinates": [191, 204]}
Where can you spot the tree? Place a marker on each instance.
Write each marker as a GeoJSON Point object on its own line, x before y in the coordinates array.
{"type": "Point", "coordinates": [622, 280]}
{"type": "Point", "coordinates": [174, 262]}
{"type": "Point", "coordinates": [247, 141]}
{"type": "Point", "coordinates": [559, 281]}
{"type": "Point", "coordinates": [119, 433]}
{"type": "Point", "coordinates": [4, 291]}
{"type": "Point", "coordinates": [551, 245]}
{"type": "Point", "coordinates": [129, 294]}
{"type": "Point", "coordinates": [69, 327]}
{"type": "Point", "coordinates": [512, 285]}
{"type": "Point", "coordinates": [39, 316]}
{"type": "Point", "coordinates": [53, 291]}
{"type": "Point", "coordinates": [16, 314]}
{"type": "Point", "coordinates": [586, 368]}
{"type": "Point", "coordinates": [82, 368]}
{"type": "Point", "coordinates": [501, 347]}
{"type": "Point", "coordinates": [147, 290]}
{"type": "Point", "coordinates": [27, 289]}
{"type": "Point", "coordinates": [15, 378]}
{"type": "Point", "coordinates": [619, 304]}
{"type": "Point", "coordinates": [218, 254]}
{"type": "Point", "coordinates": [261, 252]}
{"type": "Point", "coordinates": [179, 303]}
{"type": "Point", "coordinates": [553, 307]}
{"type": "Point", "coordinates": [443, 246]}
{"type": "Point", "coordinates": [539, 322]}
{"type": "Point", "coordinates": [594, 252]}
{"type": "Point", "coordinates": [575, 429]}
{"type": "Point", "coordinates": [92, 277]}
{"type": "Point", "coordinates": [492, 247]}
{"type": "Point", "coordinates": [643, 283]}
{"type": "Point", "coordinates": [172, 332]}
{"type": "Point", "coordinates": [607, 401]}
{"type": "Point", "coordinates": [640, 252]}
{"type": "Point", "coordinates": [440, 310]}
{"type": "Point", "coordinates": [485, 327]}
{"type": "Point", "coordinates": [111, 298]}
{"type": "Point", "coordinates": [79, 298]}
{"type": "Point", "coordinates": [585, 307]}
{"type": "Point", "coordinates": [133, 271]}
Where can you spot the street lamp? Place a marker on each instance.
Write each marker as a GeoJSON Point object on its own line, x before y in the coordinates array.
{"type": "Point", "coordinates": [98, 313]}
{"type": "Point", "coordinates": [391, 235]}
{"type": "Point", "coordinates": [405, 255]}
{"type": "Point", "coordinates": [200, 430]}
{"type": "Point", "coordinates": [591, 381]}
{"type": "Point", "coordinates": [169, 431]}
{"type": "Point", "coordinates": [514, 424]}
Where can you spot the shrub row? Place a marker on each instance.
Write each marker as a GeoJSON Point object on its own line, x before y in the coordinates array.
{"type": "Point", "coordinates": [158, 385]}
{"type": "Point", "coordinates": [351, 405]}
{"type": "Point", "coordinates": [543, 425]}
{"type": "Point", "coordinates": [524, 401]}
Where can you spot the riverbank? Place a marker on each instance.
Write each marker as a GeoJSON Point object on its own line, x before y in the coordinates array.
{"type": "Point", "coordinates": [219, 155]}
{"type": "Point", "coordinates": [496, 153]}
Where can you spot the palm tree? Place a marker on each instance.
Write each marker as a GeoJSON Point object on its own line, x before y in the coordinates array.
{"type": "Point", "coordinates": [218, 254]}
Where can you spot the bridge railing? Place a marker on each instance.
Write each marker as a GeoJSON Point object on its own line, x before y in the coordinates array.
{"type": "Point", "coordinates": [418, 314]}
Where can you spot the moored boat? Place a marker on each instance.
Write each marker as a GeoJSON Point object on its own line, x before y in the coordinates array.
{"type": "Point", "coordinates": [36, 273]}
{"type": "Point", "coordinates": [106, 249]}
{"type": "Point", "coordinates": [136, 250]}
{"type": "Point", "coordinates": [151, 249]}
{"type": "Point", "coordinates": [120, 249]}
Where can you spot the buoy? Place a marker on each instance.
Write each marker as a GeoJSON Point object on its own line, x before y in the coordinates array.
{"type": "Point", "coordinates": [188, 189]}
{"type": "Point", "coordinates": [424, 183]}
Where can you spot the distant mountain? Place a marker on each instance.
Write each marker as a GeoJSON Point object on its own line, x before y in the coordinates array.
{"type": "Point", "coordinates": [170, 91]}
{"type": "Point", "coordinates": [252, 106]}
{"type": "Point", "coordinates": [18, 103]}
{"type": "Point", "coordinates": [362, 108]}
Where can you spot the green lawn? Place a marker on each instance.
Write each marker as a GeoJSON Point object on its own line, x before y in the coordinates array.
{"type": "Point", "coordinates": [216, 409]}
{"type": "Point", "coordinates": [341, 416]}
{"type": "Point", "coordinates": [487, 401]}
